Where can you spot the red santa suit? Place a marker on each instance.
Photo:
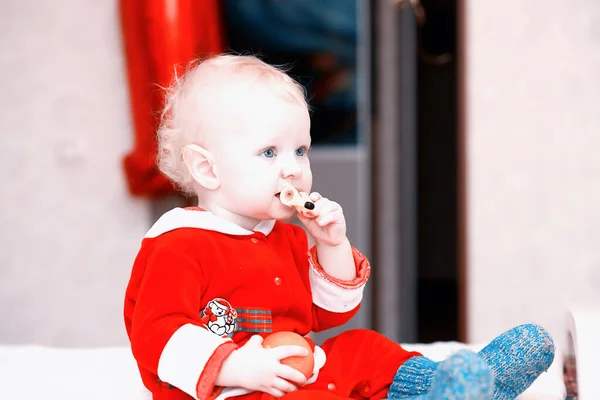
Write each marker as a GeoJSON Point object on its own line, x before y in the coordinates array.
{"type": "Point", "coordinates": [201, 286]}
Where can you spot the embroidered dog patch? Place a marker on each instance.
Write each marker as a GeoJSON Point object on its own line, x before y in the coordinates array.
{"type": "Point", "coordinates": [219, 317]}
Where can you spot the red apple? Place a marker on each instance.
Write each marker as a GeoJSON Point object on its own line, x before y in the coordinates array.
{"type": "Point", "coordinates": [304, 364]}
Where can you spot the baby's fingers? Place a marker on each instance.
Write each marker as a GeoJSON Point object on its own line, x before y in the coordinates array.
{"type": "Point", "coordinates": [282, 352]}
{"type": "Point", "coordinates": [328, 218]}
{"type": "Point", "coordinates": [274, 392]}
{"type": "Point", "coordinates": [292, 375]}
{"type": "Point", "coordinates": [315, 196]}
{"type": "Point", "coordinates": [284, 386]}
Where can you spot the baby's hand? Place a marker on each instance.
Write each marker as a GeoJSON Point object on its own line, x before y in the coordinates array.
{"type": "Point", "coordinates": [326, 222]}
{"type": "Point", "coordinates": [259, 369]}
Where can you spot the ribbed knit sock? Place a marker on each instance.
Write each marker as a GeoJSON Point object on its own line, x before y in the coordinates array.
{"type": "Point", "coordinates": [462, 376]}
{"type": "Point", "coordinates": [517, 358]}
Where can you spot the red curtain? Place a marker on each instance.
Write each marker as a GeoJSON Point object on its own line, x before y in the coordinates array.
{"type": "Point", "coordinates": [160, 35]}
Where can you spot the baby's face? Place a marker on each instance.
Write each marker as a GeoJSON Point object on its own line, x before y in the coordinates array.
{"type": "Point", "coordinates": [267, 152]}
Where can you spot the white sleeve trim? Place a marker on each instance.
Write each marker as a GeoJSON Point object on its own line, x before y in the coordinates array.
{"type": "Point", "coordinates": [185, 355]}
{"type": "Point", "coordinates": [330, 296]}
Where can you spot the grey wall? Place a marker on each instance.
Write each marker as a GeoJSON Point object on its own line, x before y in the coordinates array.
{"type": "Point", "coordinates": [68, 229]}
{"type": "Point", "coordinates": [533, 132]}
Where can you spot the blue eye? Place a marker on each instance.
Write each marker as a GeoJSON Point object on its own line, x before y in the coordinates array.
{"type": "Point", "coordinates": [301, 152]}
{"type": "Point", "coordinates": [269, 153]}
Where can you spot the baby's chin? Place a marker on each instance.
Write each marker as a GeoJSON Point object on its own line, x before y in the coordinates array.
{"type": "Point", "coordinates": [282, 212]}
{"type": "Point", "coordinates": [275, 211]}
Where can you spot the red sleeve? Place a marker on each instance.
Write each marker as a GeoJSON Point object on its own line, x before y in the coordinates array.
{"type": "Point", "coordinates": [166, 333]}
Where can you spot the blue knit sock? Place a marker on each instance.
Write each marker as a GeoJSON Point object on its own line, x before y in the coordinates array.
{"type": "Point", "coordinates": [462, 376]}
{"type": "Point", "coordinates": [517, 358]}
{"type": "Point", "coordinates": [414, 377]}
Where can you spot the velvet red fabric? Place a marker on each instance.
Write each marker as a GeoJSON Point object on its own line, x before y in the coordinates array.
{"type": "Point", "coordinates": [159, 37]}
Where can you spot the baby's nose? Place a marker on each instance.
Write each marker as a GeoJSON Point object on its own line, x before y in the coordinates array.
{"type": "Point", "coordinates": [291, 170]}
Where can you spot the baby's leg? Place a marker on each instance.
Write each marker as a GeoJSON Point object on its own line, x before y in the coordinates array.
{"type": "Point", "coordinates": [462, 376]}
{"type": "Point", "coordinates": [360, 364]}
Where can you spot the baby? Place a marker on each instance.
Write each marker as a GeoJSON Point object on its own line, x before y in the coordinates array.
{"type": "Point", "coordinates": [210, 282]}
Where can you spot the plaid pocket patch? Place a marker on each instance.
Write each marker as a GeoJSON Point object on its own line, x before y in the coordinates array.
{"type": "Point", "coordinates": [254, 320]}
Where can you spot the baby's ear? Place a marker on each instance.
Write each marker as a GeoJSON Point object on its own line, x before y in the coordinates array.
{"type": "Point", "coordinates": [199, 163]}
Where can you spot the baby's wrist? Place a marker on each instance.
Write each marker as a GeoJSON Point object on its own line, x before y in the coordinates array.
{"type": "Point", "coordinates": [333, 245]}
{"type": "Point", "coordinates": [229, 371]}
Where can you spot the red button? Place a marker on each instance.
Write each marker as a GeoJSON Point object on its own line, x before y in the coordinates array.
{"type": "Point", "coordinates": [254, 240]}
{"type": "Point", "coordinates": [331, 386]}
{"type": "Point", "coordinates": [277, 280]}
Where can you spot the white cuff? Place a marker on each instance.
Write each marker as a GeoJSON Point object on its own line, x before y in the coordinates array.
{"type": "Point", "coordinates": [331, 297]}
{"type": "Point", "coordinates": [185, 355]}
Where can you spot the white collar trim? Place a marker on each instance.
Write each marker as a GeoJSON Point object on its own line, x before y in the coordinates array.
{"type": "Point", "coordinates": [182, 218]}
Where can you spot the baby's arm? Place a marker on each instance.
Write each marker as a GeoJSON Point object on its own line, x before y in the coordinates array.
{"type": "Point", "coordinates": [335, 300]}
{"type": "Point", "coordinates": [326, 223]}
{"type": "Point", "coordinates": [337, 261]}
{"type": "Point", "coordinates": [255, 368]}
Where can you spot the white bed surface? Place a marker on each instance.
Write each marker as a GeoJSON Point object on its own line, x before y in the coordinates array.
{"type": "Point", "coordinates": [34, 372]}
